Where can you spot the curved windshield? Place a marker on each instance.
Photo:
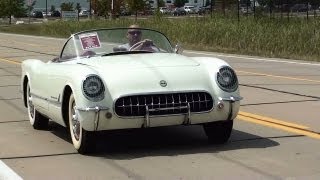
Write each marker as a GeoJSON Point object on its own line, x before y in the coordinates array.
{"type": "Point", "coordinates": [106, 42]}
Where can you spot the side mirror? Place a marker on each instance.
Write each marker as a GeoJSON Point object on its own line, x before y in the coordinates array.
{"type": "Point", "coordinates": [178, 49]}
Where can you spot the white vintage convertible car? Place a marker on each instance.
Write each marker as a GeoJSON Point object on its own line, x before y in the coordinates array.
{"type": "Point", "coordinates": [96, 84]}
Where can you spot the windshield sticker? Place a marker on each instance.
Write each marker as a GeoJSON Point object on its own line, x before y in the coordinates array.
{"type": "Point", "coordinates": [89, 41]}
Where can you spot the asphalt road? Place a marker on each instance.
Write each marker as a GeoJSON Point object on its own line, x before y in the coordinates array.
{"type": "Point", "coordinates": [275, 136]}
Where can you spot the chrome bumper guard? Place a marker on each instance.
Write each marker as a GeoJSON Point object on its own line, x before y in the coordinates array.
{"type": "Point", "coordinates": [230, 99]}
{"type": "Point", "coordinates": [95, 109]}
{"type": "Point", "coordinates": [146, 122]}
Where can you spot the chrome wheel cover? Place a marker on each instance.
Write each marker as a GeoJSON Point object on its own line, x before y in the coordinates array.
{"type": "Point", "coordinates": [30, 104]}
{"type": "Point", "coordinates": [75, 122]}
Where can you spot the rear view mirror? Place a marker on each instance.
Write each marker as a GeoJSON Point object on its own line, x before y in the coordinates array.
{"type": "Point", "coordinates": [178, 49]}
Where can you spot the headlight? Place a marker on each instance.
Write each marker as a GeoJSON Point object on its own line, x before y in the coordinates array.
{"type": "Point", "coordinates": [227, 79]}
{"type": "Point", "coordinates": [93, 88]}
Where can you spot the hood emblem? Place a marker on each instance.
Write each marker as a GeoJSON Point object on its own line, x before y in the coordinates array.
{"type": "Point", "coordinates": [163, 83]}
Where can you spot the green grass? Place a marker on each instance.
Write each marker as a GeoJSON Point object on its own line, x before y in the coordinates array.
{"type": "Point", "coordinates": [297, 38]}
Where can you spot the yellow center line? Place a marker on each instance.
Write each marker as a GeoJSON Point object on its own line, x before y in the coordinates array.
{"type": "Point", "coordinates": [278, 124]}
{"type": "Point", "coordinates": [34, 45]}
{"type": "Point", "coordinates": [283, 77]}
{"type": "Point", "coordinates": [29, 44]}
{"type": "Point", "coordinates": [271, 120]}
{"type": "Point", "coordinates": [10, 61]}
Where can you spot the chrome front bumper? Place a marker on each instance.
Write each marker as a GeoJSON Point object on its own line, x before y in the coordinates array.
{"type": "Point", "coordinates": [123, 123]}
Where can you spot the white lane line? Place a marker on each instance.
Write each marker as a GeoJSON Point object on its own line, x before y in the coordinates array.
{"type": "Point", "coordinates": [298, 62]}
{"type": "Point", "coordinates": [39, 37]}
{"type": "Point", "coordinates": [253, 58]}
{"type": "Point", "coordinates": [7, 174]}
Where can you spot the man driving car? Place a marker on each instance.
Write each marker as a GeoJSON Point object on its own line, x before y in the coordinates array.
{"type": "Point", "coordinates": [135, 43]}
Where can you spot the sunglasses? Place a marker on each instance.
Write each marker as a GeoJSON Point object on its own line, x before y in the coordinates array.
{"type": "Point", "coordinates": [134, 32]}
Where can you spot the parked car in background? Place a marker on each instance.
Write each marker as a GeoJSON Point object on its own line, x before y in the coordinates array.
{"type": "Point", "coordinates": [55, 14]}
{"type": "Point", "coordinates": [189, 9]}
{"type": "Point", "coordinates": [46, 14]}
{"type": "Point", "coordinates": [84, 13]}
{"type": "Point", "coordinates": [164, 10]}
{"type": "Point", "coordinates": [203, 10]}
{"type": "Point", "coordinates": [179, 12]}
{"type": "Point", "coordinates": [300, 8]}
{"type": "Point", "coordinates": [125, 12]}
{"type": "Point", "coordinates": [246, 10]}
{"type": "Point", "coordinates": [37, 14]}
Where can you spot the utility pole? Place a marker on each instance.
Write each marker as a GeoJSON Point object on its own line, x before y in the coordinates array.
{"type": "Point", "coordinates": [46, 8]}
{"type": "Point", "coordinates": [111, 14]}
{"type": "Point", "coordinates": [211, 8]}
{"type": "Point", "coordinates": [29, 9]}
{"type": "Point", "coordinates": [238, 11]}
{"type": "Point", "coordinates": [90, 14]}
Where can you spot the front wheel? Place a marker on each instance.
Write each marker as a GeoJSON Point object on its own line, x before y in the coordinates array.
{"type": "Point", "coordinates": [37, 120]}
{"type": "Point", "coordinates": [82, 140]}
{"type": "Point", "coordinates": [218, 132]}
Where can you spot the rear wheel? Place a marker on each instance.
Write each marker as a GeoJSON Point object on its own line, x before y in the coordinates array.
{"type": "Point", "coordinates": [218, 132]}
{"type": "Point", "coordinates": [82, 140]}
{"type": "Point", "coordinates": [37, 120]}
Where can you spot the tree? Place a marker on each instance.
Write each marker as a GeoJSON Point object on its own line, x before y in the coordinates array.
{"type": "Point", "coordinates": [180, 3]}
{"type": "Point", "coordinates": [104, 7]}
{"type": "Point", "coordinates": [136, 5]}
{"type": "Point", "coordinates": [66, 6]}
{"type": "Point", "coordinates": [161, 3]}
{"type": "Point", "coordinates": [314, 3]}
{"type": "Point", "coordinates": [208, 2]}
{"type": "Point", "coordinates": [78, 7]}
{"type": "Point", "coordinates": [11, 8]}
{"type": "Point", "coordinates": [52, 8]}
{"type": "Point", "coordinates": [30, 6]}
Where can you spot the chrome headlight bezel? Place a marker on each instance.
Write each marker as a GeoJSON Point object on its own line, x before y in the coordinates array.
{"type": "Point", "coordinates": [93, 88]}
{"type": "Point", "coordinates": [227, 79]}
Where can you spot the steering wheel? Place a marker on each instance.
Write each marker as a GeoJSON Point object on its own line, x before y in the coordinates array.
{"type": "Point", "coordinates": [142, 44]}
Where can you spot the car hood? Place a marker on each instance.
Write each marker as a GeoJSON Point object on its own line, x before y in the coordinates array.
{"type": "Point", "coordinates": [142, 73]}
{"type": "Point", "coordinates": [132, 61]}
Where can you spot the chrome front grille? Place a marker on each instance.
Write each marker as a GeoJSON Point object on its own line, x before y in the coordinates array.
{"type": "Point", "coordinates": [163, 104]}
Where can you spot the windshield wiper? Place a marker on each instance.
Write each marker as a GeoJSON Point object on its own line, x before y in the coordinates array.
{"type": "Point", "coordinates": [125, 52]}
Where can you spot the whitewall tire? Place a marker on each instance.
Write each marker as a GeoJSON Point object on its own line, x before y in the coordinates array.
{"type": "Point", "coordinates": [37, 120]}
{"type": "Point", "coordinates": [83, 141]}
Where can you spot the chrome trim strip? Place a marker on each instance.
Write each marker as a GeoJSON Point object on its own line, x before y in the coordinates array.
{"type": "Point", "coordinates": [39, 97]}
{"type": "Point", "coordinates": [96, 120]}
{"type": "Point", "coordinates": [146, 122]}
{"type": "Point", "coordinates": [150, 116]}
{"type": "Point", "coordinates": [231, 98]}
{"type": "Point", "coordinates": [52, 97]}
{"type": "Point", "coordinates": [55, 102]}
{"type": "Point", "coordinates": [187, 120]}
{"type": "Point", "coordinates": [95, 109]}
{"type": "Point", "coordinates": [169, 108]}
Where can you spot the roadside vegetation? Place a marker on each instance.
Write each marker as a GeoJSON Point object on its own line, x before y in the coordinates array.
{"type": "Point", "coordinates": [296, 38]}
